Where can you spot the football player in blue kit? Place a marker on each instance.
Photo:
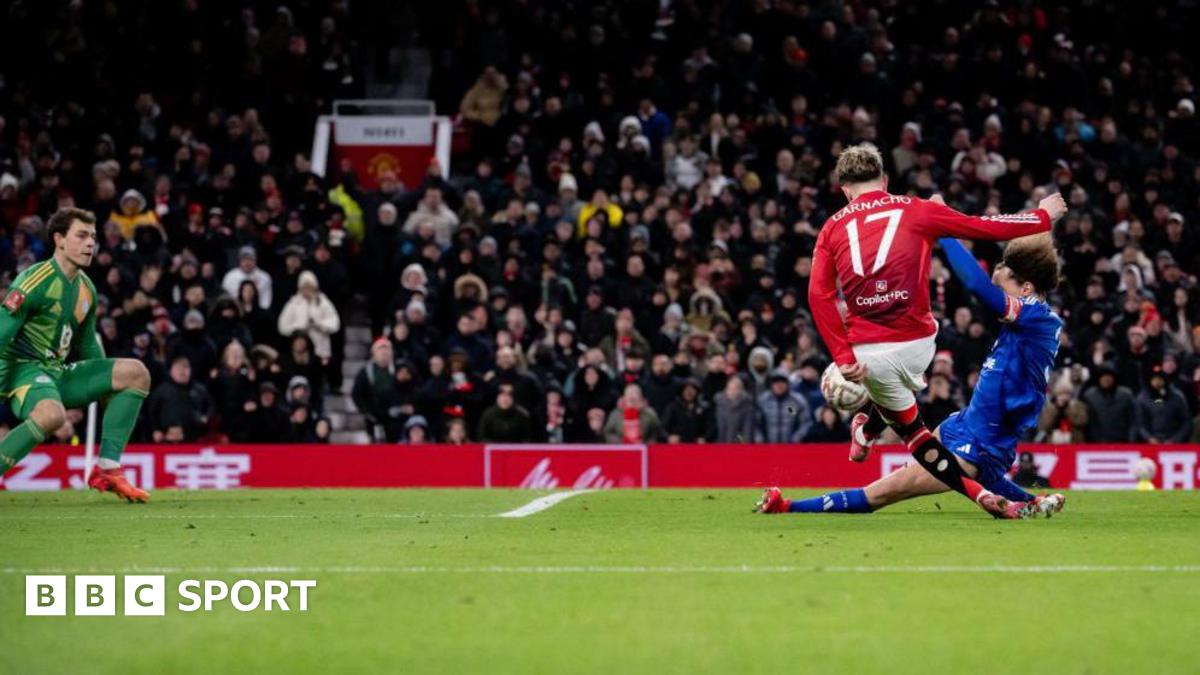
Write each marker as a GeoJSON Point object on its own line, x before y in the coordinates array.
{"type": "Point", "coordinates": [1006, 402]}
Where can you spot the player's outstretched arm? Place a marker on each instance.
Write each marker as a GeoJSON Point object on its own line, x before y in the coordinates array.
{"type": "Point", "coordinates": [943, 221]}
{"type": "Point", "coordinates": [968, 271]}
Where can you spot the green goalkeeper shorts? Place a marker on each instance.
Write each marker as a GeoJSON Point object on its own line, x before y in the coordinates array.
{"type": "Point", "coordinates": [75, 385]}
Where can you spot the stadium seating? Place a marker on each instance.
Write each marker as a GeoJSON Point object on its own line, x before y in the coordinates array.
{"type": "Point", "coordinates": [632, 201]}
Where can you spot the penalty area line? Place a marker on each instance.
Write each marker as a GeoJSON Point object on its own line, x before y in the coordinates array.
{"type": "Point", "coordinates": [541, 504]}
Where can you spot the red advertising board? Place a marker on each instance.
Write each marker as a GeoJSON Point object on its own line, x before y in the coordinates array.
{"type": "Point", "coordinates": [234, 466]}
{"type": "Point", "coordinates": [560, 466]}
{"type": "Point", "coordinates": [1079, 467]}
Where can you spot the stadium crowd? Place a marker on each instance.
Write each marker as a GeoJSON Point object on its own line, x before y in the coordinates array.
{"type": "Point", "coordinates": [622, 251]}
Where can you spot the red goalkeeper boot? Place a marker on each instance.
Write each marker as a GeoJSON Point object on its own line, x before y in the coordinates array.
{"type": "Point", "coordinates": [113, 480]}
{"type": "Point", "coordinates": [772, 501]}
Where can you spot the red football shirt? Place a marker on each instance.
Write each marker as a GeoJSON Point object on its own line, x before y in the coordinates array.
{"type": "Point", "coordinates": [877, 249]}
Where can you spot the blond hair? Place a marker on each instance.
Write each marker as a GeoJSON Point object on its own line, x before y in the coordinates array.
{"type": "Point", "coordinates": [860, 163]}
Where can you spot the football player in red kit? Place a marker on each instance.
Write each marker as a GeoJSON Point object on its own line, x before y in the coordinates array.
{"type": "Point", "coordinates": [877, 249]}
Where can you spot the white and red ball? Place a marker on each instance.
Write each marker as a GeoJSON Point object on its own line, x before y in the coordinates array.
{"type": "Point", "coordinates": [1144, 469]}
{"type": "Point", "coordinates": [840, 393]}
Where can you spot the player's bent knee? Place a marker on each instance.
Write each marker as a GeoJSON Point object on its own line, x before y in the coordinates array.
{"type": "Point", "coordinates": [49, 415]}
{"type": "Point", "coordinates": [131, 374]}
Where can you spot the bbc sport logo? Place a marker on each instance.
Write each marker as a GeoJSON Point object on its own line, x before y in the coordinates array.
{"type": "Point", "coordinates": [146, 595]}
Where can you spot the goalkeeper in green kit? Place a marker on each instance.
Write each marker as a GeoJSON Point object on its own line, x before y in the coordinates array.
{"type": "Point", "coordinates": [51, 358]}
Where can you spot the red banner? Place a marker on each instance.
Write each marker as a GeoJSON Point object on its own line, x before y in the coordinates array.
{"type": "Point", "coordinates": [374, 145]}
{"type": "Point", "coordinates": [192, 467]}
{"type": "Point", "coordinates": [1078, 467]}
{"type": "Point", "coordinates": [579, 467]}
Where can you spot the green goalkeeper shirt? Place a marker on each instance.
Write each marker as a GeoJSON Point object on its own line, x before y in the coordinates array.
{"type": "Point", "coordinates": [48, 319]}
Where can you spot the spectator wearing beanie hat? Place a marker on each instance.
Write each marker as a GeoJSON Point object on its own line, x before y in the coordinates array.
{"type": "Point", "coordinates": [416, 431]}
{"type": "Point", "coordinates": [310, 312]}
{"type": "Point", "coordinates": [132, 214]}
{"type": "Point", "coordinates": [568, 197]}
{"type": "Point", "coordinates": [782, 416]}
{"type": "Point", "coordinates": [248, 270]}
{"type": "Point", "coordinates": [373, 385]}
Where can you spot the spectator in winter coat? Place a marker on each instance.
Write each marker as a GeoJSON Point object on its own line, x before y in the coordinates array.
{"type": "Point", "coordinates": [592, 427]}
{"type": "Point", "coordinates": [373, 385]}
{"type": "Point", "coordinates": [1111, 409]}
{"type": "Point", "coordinates": [233, 389]}
{"type": "Point", "coordinates": [470, 340]}
{"type": "Point", "coordinates": [688, 418]}
{"type": "Point", "coordinates": [133, 215]}
{"type": "Point", "coordinates": [266, 421]}
{"type": "Point", "coordinates": [829, 427]}
{"type": "Point", "coordinates": [600, 203]}
{"type": "Point", "coordinates": [433, 211]}
{"type": "Point", "coordinates": [525, 388]}
{"type": "Point", "coordinates": [301, 425]}
{"type": "Point", "coordinates": [178, 409]}
{"type": "Point", "coordinates": [624, 339]}
{"type": "Point", "coordinates": [660, 385]}
{"type": "Point", "coordinates": [1063, 418]}
{"type": "Point", "coordinates": [735, 413]}
{"type": "Point", "coordinates": [807, 383]}
{"type": "Point", "coordinates": [552, 421]}
{"type": "Point", "coordinates": [195, 345]}
{"type": "Point", "coordinates": [414, 285]}
{"type": "Point", "coordinates": [460, 392]}
{"type": "Point", "coordinates": [248, 269]}
{"type": "Point", "coordinates": [1162, 412]}
{"type": "Point", "coordinates": [632, 421]}
{"type": "Point", "coordinates": [759, 366]}
{"type": "Point", "coordinates": [783, 417]}
{"type": "Point", "coordinates": [505, 422]}
{"type": "Point", "coordinates": [483, 102]}
{"type": "Point", "coordinates": [311, 312]}
{"type": "Point", "coordinates": [685, 165]}
{"type": "Point", "coordinates": [225, 324]}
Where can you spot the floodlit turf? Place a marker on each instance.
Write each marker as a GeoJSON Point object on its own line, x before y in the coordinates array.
{"type": "Point", "coordinates": [624, 581]}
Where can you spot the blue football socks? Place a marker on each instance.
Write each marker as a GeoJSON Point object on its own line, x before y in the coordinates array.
{"type": "Point", "coordinates": [845, 501]}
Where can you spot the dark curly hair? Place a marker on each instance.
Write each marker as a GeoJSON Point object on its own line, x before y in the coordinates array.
{"type": "Point", "coordinates": [1034, 259]}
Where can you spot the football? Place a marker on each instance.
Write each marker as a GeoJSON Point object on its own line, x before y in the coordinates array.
{"type": "Point", "coordinates": [1144, 469]}
{"type": "Point", "coordinates": [842, 394]}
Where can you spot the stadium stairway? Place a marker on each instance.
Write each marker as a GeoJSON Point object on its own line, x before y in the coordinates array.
{"type": "Point", "coordinates": [349, 426]}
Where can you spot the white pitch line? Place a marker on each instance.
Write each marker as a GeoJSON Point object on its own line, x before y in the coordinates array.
{"type": "Point", "coordinates": [634, 569]}
{"type": "Point", "coordinates": [541, 504]}
{"type": "Point", "coordinates": [535, 506]}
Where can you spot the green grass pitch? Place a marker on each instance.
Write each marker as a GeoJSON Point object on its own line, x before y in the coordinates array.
{"type": "Point", "coordinates": [414, 581]}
